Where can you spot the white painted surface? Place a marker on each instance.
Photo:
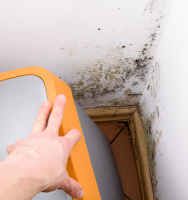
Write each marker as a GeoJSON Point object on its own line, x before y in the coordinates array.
{"type": "Point", "coordinates": [167, 93]}
{"type": "Point", "coordinates": [63, 37]}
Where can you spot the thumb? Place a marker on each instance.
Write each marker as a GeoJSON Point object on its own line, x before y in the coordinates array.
{"type": "Point", "coordinates": [69, 140]}
{"type": "Point", "coordinates": [73, 188]}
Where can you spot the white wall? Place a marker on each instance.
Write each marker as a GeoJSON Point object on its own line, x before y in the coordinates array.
{"type": "Point", "coordinates": [109, 66]}
{"type": "Point", "coordinates": [164, 107]}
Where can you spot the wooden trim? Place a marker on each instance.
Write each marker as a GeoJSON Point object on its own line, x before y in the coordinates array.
{"type": "Point", "coordinates": [130, 114]}
{"type": "Point", "coordinates": [111, 113]}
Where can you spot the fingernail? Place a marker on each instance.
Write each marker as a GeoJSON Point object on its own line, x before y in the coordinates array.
{"type": "Point", "coordinates": [47, 104]}
{"type": "Point", "coordinates": [62, 97]}
{"type": "Point", "coordinates": [9, 146]}
{"type": "Point", "coordinates": [79, 194]}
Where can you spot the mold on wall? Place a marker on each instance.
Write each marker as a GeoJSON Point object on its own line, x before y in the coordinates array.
{"type": "Point", "coordinates": [154, 5]}
{"type": "Point", "coordinates": [101, 49]}
{"type": "Point", "coordinates": [164, 109]}
{"type": "Point", "coordinates": [122, 74]}
{"type": "Point", "coordinates": [151, 117]}
{"type": "Point", "coordinates": [114, 79]}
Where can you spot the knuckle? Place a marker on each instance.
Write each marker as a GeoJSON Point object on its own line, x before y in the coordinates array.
{"type": "Point", "coordinates": [68, 187]}
{"type": "Point", "coordinates": [67, 141]}
{"type": "Point", "coordinates": [75, 131]}
{"type": "Point", "coordinates": [19, 142]}
{"type": "Point", "coordinates": [57, 115]}
{"type": "Point", "coordinates": [51, 130]}
{"type": "Point", "coordinates": [40, 121]}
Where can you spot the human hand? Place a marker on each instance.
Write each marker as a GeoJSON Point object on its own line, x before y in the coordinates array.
{"type": "Point", "coordinates": [43, 155]}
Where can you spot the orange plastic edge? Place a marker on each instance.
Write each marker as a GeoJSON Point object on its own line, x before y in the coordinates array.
{"type": "Point", "coordinates": [79, 164]}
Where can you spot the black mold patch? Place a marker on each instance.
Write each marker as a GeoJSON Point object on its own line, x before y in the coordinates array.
{"type": "Point", "coordinates": [134, 83]}
{"type": "Point", "coordinates": [105, 78]}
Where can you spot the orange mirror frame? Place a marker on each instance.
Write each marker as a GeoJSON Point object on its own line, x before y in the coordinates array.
{"type": "Point", "coordinates": [79, 165]}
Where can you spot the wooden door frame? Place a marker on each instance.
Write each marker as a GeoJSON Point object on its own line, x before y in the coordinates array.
{"type": "Point", "coordinates": [131, 115]}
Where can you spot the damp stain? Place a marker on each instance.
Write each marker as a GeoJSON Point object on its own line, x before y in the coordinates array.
{"type": "Point", "coordinates": [121, 74]}
{"type": "Point", "coordinates": [154, 85]}
{"type": "Point", "coordinates": [115, 73]}
{"type": "Point", "coordinates": [151, 122]}
{"type": "Point", "coordinates": [127, 91]}
{"type": "Point", "coordinates": [150, 6]}
{"type": "Point", "coordinates": [151, 145]}
{"type": "Point", "coordinates": [155, 6]}
{"type": "Point", "coordinates": [132, 99]}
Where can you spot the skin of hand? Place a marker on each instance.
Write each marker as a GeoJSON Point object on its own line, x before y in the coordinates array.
{"type": "Point", "coordinates": [42, 157]}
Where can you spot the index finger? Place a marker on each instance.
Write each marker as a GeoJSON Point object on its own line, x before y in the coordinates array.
{"type": "Point", "coordinates": [40, 122]}
{"type": "Point", "coordinates": [56, 116]}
